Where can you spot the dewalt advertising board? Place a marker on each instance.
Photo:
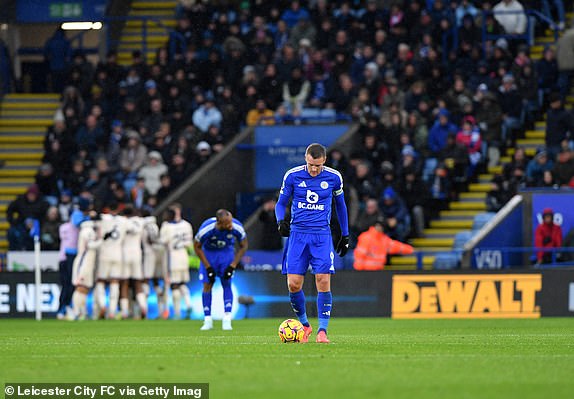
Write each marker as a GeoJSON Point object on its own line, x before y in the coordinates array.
{"type": "Point", "coordinates": [456, 296]}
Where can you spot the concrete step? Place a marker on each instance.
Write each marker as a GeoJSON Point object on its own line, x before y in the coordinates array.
{"type": "Point", "coordinates": [478, 205]}
{"type": "Point", "coordinates": [10, 172]}
{"type": "Point", "coordinates": [458, 214]}
{"type": "Point", "coordinates": [26, 122]}
{"type": "Point", "coordinates": [480, 196]}
{"type": "Point", "coordinates": [440, 232]}
{"type": "Point", "coordinates": [451, 224]}
{"type": "Point", "coordinates": [21, 147]}
{"type": "Point", "coordinates": [482, 187]}
{"type": "Point", "coordinates": [530, 151]}
{"type": "Point", "coordinates": [495, 169]}
{"type": "Point", "coordinates": [26, 113]}
{"type": "Point", "coordinates": [138, 23]}
{"type": "Point", "coordinates": [13, 190]}
{"type": "Point", "coordinates": [434, 242]}
{"type": "Point", "coordinates": [530, 142]}
{"type": "Point", "coordinates": [21, 138]}
{"type": "Point", "coordinates": [21, 156]}
{"type": "Point", "coordinates": [40, 130]}
{"type": "Point", "coordinates": [136, 5]}
{"type": "Point", "coordinates": [32, 97]}
{"type": "Point", "coordinates": [137, 39]}
{"type": "Point", "coordinates": [161, 14]}
{"type": "Point", "coordinates": [535, 134]}
{"type": "Point", "coordinates": [32, 105]}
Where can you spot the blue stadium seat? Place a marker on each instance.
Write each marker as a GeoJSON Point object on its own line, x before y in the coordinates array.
{"type": "Point", "coordinates": [446, 261]}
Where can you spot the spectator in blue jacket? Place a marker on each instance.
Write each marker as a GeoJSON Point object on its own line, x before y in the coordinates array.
{"type": "Point", "coordinates": [396, 214]}
{"type": "Point", "coordinates": [440, 131]}
{"type": "Point", "coordinates": [58, 54]}
{"type": "Point", "coordinates": [536, 168]}
{"type": "Point", "coordinates": [294, 14]}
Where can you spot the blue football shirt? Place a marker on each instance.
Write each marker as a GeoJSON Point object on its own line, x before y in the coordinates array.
{"type": "Point", "coordinates": [312, 198]}
{"type": "Point", "coordinates": [213, 239]}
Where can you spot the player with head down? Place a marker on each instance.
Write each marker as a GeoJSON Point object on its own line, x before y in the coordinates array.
{"type": "Point", "coordinates": [215, 247]}
{"type": "Point", "coordinates": [312, 187]}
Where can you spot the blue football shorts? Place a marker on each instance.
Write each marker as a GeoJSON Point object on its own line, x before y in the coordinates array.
{"type": "Point", "coordinates": [219, 260]}
{"type": "Point", "coordinates": [308, 249]}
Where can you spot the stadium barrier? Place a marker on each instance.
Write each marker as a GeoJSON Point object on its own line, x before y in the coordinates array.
{"type": "Point", "coordinates": [401, 295]}
{"type": "Point", "coordinates": [507, 240]}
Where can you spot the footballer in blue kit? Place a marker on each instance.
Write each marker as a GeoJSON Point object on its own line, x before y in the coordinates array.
{"type": "Point", "coordinates": [215, 246]}
{"type": "Point", "coordinates": [312, 188]}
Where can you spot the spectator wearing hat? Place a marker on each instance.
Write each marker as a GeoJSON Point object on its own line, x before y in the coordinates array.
{"type": "Point", "coordinates": [130, 115]}
{"type": "Point", "coordinates": [152, 122]}
{"type": "Point", "coordinates": [115, 143]}
{"type": "Point", "coordinates": [132, 158]}
{"type": "Point", "coordinates": [49, 234]}
{"type": "Point", "coordinates": [559, 123]}
{"type": "Point", "coordinates": [415, 194]}
{"type": "Point", "coordinates": [65, 205]}
{"type": "Point", "coordinates": [498, 195]}
{"type": "Point", "coordinates": [396, 214]}
{"type": "Point", "coordinates": [440, 131]}
{"type": "Point", "coordinates": [20, 237]}
{"type": "Point", "coordinates": [547, 235]}
{"type": "Point", "coordinates": [374, 246]}
{"type": "Point", "coordinates": [489, 120]}
{"type": "Point", "coordinates": [207, 114]}
{"type": "Point", "coordinates": [511, 106]}
{"type": "Point", "coordinates": [179, 170]}
{"type": "Point", "coordinates": [77, 177]}
{"type": "Point", "coordinates": [536, 168]}
{"type": "Point", "coordinates": [47, 182]}
{"type": "Point", "coordinates": [440, 190]}
{"type": "Point", "coordinates": [514, 172]}
{"type": "Point", "coordinates": [165, 188]}
{"type": "Point", "coordinates": [547, 73]}
{"type": "Point", "coordinates": [152, 171]}
{"type": "Point", "coordinates": [303, 30]}
{"type": "Point", "coordinates": [29, 205]}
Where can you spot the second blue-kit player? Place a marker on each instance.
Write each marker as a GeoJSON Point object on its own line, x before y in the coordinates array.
{"type": "Point", "coordinates": [312, 187]}
{"type": "Point", "coordinates": [215, 246]}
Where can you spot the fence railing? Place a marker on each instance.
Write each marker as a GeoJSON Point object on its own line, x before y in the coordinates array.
{"type": "Point", "coordinates": [501, 257]}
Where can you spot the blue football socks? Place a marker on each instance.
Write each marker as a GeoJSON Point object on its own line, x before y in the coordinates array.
{"type": "Point", "coordinates": [206, 297]}
{"type": "Point", "coordinates": [227, 295]}
{"type": "Point", "coordinates": [298, 305]}
{"type": "Point", "coordinates": [324, 305]}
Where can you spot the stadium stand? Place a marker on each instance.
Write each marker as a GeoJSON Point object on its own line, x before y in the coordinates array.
{"type": "Point", "coordinates": [437, 94]}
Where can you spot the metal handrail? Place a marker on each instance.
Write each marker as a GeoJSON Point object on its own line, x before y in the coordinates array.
{"type": "Point", "coordinates": [505, 252]}
{"type": "Point", "coordinates": [111, 44]}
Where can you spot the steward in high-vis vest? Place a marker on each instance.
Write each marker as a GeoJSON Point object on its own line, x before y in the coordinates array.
{"type": "Point", "coordinates": [373, 247]}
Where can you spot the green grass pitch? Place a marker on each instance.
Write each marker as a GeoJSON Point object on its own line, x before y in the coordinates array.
{"type": "Point", "coordinates": [368, 358]}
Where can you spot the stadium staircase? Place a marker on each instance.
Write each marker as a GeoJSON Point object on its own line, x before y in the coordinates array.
{"type": "Point", "coordinates": [456, 223]}
{"type": "Point", "coordinates": [155, 32]}
{"type": "Point", "coordinates": [24, 119]}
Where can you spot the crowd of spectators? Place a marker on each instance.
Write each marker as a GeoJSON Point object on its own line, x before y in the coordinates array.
{"type": "Point", "coordinates": [435, 106]}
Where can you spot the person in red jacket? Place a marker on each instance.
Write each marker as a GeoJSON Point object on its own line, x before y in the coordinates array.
{"type": "Point", "coordinates": [547, 235]}
{"type": "Point", "coordinates": [374, 245]}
